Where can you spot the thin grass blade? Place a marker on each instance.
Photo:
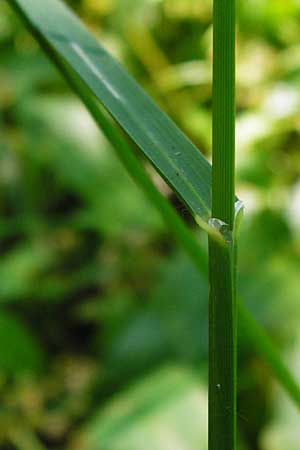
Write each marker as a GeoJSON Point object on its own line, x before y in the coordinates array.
{"type": "Point", "coordinates": [174, 156]}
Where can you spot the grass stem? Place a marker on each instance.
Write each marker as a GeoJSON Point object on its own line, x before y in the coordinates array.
{"type": "Point", "coordinates": [222, 302]}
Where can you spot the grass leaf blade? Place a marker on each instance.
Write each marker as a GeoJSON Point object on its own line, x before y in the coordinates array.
{"type": "Point", "coordinates": [169, 150]}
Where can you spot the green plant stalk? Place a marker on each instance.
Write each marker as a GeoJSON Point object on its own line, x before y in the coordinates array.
{"type": "Point", "coordinates": [223, 157]}
{"type": "Point", "coordinates": [222, 348]}
{"type": "Point", "coordinates": [256, 335]}
{"type": "Point", "coordinates": [222, 258]}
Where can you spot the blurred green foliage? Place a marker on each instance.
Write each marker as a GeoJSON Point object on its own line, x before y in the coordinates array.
{"type": "Point", "coordinates": [103, 322]}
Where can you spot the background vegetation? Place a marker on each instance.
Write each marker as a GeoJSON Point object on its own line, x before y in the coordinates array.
{"type": "Point", "coordinates": [103, 320]}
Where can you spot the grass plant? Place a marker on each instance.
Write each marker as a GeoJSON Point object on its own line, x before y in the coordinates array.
{"type": "Point", "coordinates": [111, 95]}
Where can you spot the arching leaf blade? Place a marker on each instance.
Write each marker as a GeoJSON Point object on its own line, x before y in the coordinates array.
{"type": "Point", "coordinates": [173, 155]}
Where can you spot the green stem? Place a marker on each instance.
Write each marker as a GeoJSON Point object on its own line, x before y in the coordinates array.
{"type": "Point", "coordinates": [223, 158]}
{"type": "Point", "coordinates": [222, 258]}
{"type": "Point", "coordinates": [222, 348]}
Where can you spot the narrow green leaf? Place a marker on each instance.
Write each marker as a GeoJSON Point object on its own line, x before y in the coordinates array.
{"type": "Point", "coordinates": [169, 150]}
